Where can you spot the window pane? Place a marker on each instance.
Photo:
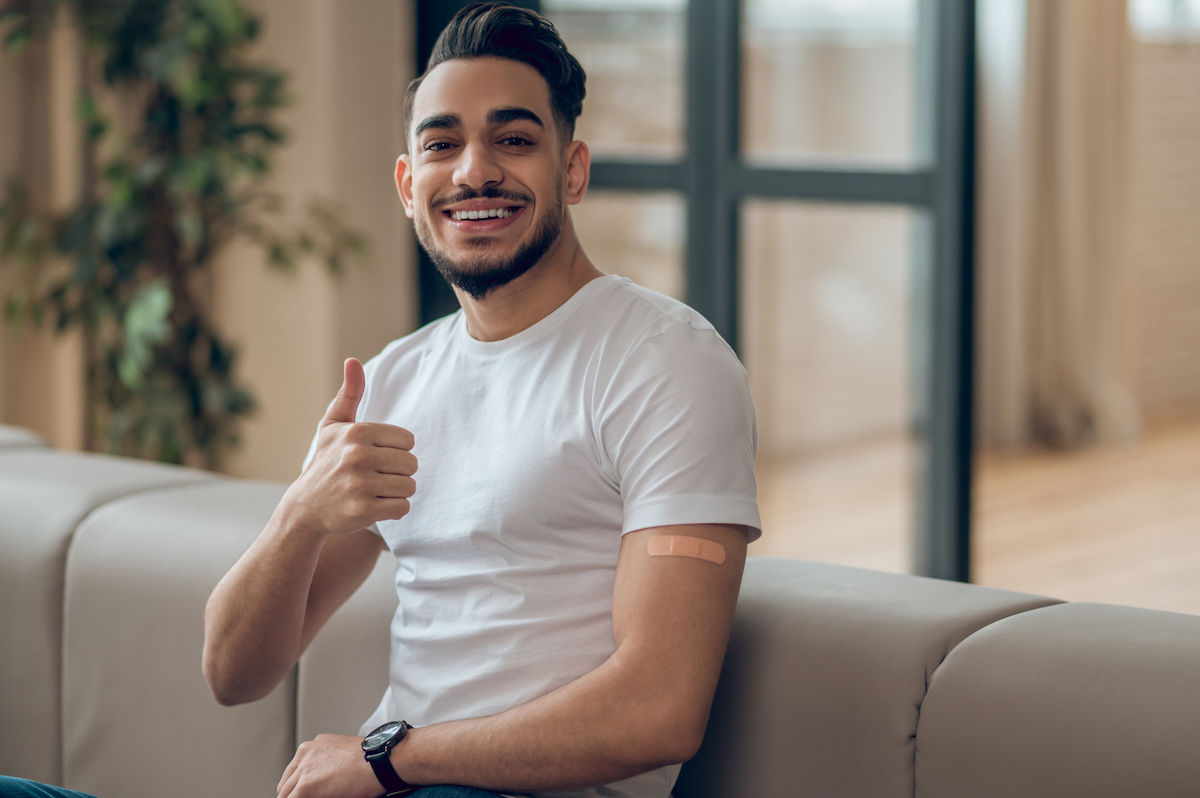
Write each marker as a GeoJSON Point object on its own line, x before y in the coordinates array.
{"type": "Point", "coordinates": [632, 51]}
{"type": "Point", "coordinates": [826, 330]}
{"type": "Point", "coordinates": [1157, 20]}
{"type": "Point", "coordinates": [636, 235]}
{"type": "Point", "coordinates": [828, 81]}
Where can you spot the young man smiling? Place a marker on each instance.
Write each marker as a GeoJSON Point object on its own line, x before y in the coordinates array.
{"type": "Point", "coordinates": [568, 569]}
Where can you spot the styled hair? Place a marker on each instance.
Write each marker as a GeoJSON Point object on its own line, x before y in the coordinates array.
{"type": "Point", "coordinates": [499, 30]}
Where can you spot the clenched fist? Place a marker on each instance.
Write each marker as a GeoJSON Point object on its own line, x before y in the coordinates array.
{"type": "Point", "coordinates": [360, 473]}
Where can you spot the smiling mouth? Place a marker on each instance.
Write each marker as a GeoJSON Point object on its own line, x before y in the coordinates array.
{"type": "Point", "coordinates": [491, 213]}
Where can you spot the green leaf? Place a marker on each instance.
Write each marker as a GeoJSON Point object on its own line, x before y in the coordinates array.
{"type": "Point", "coordinates": [145, 326]}
{"type": "Point", "coordinates": [18, 39]}
{"type": "Point", "coordinates": [11, 11]}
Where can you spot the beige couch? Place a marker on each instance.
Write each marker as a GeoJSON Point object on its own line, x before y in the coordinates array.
{"type": "Point", "coordinates": [838, 681]}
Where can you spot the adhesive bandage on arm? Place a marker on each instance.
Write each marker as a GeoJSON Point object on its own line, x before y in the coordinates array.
{"type": "Point", "coordinates": [686, 546]}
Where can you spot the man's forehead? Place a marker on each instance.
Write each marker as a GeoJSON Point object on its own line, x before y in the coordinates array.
{"type": "Point", "coordinates": [474, 89]}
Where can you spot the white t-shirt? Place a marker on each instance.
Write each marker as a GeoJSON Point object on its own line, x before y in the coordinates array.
{"type": "Point", "coordinates": [621, 410]}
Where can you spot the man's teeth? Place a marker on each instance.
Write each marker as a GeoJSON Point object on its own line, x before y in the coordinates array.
{"type": "Point", "coordinates": [493, 213]}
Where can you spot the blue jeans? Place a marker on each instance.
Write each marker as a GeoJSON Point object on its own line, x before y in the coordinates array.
{"type": "Point", "coordinates": [21, 788]}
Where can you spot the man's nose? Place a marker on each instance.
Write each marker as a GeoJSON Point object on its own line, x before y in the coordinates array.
{"type": "Point", "coordinates": [477, 166]}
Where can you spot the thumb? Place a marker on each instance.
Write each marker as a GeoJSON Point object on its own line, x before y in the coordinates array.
{"type": "Point", "coordinates": [345, 404]}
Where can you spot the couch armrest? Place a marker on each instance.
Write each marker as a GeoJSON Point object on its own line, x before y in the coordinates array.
{"type": "Point", "coordinates": [1087, 700]}
{"type": "Point", "coordinates": [826, 670]}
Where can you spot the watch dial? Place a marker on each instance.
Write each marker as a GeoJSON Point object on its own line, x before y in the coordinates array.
{"type": "Point", "coordinates": [381, 735]}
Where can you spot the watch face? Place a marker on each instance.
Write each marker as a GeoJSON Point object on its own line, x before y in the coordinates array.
{"type": "Point", "coordinates": [380, 735]}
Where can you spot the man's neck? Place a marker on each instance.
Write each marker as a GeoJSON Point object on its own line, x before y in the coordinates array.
{"type": "Point", "coordinates": [533, 296]}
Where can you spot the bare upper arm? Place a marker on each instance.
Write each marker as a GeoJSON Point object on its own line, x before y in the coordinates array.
{"type": "Point", "coordinates": [672, 615]}
{"type": "Point", "coordinates": [344, 564]}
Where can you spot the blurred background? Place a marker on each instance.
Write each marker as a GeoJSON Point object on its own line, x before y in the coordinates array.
{"type": "Point", "coordinates": [955, 245]}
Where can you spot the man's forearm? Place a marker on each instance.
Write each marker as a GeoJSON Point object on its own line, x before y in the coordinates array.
{"type": "Point", "coordinates": [609, 724]}
{"type": "Point", "coordinates": [254, 620]}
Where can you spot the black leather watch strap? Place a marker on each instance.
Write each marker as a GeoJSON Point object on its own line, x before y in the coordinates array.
{"type": "Point", "coordinates": [380, 760]}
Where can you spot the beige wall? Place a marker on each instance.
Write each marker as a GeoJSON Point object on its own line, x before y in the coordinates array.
{"type": "Point", "coordinates": [348, 63]}
{"type": "Point", "coordinates": [1165, 224]}
{"type": "Point", "coordinates": [41, 386]}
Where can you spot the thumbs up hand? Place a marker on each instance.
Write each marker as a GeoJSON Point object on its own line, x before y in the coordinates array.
{"type": "Point", "coordinates": [360, 473]}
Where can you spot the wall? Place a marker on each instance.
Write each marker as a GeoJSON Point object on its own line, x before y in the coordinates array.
{"type": "Point", "coordinates": [41, 385]}
{"type": "Point", "coordinates": [348, 64]}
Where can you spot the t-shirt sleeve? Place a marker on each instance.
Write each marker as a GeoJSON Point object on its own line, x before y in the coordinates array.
{"type": "Point", "coordinates": [679, 431]}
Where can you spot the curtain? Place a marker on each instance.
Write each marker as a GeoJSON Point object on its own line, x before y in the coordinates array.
{"type": "Point", "coordinates": [1057, 309]}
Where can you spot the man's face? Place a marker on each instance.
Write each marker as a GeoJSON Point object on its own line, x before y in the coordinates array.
{"type": "Point", "coordinates": [484, 177]}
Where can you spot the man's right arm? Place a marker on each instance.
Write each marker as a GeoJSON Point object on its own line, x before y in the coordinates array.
{"type": "Point", "coordinates": [313, 554]}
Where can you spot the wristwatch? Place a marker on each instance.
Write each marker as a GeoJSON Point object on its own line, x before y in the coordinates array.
{"type": "Point", "coordinates": [376, 748]}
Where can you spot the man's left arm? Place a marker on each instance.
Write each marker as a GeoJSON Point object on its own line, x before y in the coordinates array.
{"type": "Point", "coordinates": [647, 706]}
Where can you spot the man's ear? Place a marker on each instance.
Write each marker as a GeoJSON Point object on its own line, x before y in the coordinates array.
{"type": "Point", "coordinates": [578, 171]}
{"type": "Point", "coordinates": [404, 184]}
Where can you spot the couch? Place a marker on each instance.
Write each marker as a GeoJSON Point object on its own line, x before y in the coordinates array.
{"type": "Point", "coordinates": [837, 682]}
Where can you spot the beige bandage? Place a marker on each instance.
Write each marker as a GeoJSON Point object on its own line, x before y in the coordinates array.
{"type": "Point", "coordinates": [685, 546]}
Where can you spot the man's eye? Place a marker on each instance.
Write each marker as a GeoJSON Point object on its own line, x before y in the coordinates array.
{"type": "Point", "coordinates": [515, 141]}
{"type": "Point", "coordinates": [436, 146]}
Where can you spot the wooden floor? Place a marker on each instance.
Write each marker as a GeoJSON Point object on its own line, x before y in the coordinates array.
{"type": "Point", "coordinates": [1118, 525]}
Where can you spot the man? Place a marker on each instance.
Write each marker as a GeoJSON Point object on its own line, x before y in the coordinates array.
{"type": "Point", "coordinates": [570, 552]}
{"type": "Point", "coordinates": [563, 420]}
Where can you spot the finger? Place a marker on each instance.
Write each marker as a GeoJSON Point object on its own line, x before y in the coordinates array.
{"type": "Point", "coordinates": [395, 487]}
{"type": "Point", "coordinates": [287, 773]}
{"type": "Point", "coordinates": [345, 405]}
{"type": "Point", "coordinates": [392, 509]}
{"type": "Point", "coordinates": [286, 788]}
{"type": "Point", "coordinates": [385, 435]}
{"type": "Point", "coordinates": [393, 462]}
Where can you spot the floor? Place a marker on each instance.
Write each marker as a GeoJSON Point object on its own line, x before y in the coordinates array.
{"type": "Point", "coordinates": [1118, 525]}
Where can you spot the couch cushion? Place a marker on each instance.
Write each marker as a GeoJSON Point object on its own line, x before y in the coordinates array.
{"type": "Point", "coordinates": [826, 669]}
{"type": "Point", "coordinates": [140, 720]}
{"type": "Point", "coordinates": [44, 495]}
{"type": "Point", "coordinates": [343, 674]}
{"type": "Point", "coordinates": [18, 438]}
{"type": "Point", "coordinates": [1076, 700]}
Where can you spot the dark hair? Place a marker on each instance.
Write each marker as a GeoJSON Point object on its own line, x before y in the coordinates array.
{"type": "Point", "coordinates": [499, 30]}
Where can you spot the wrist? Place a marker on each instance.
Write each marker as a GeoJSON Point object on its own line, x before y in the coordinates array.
{"type": "Point", "coordinates": [378, 749]}
{"type": "Point", "coordinates": [403, 760]}
{"type": "Point", "coordinates": [293, 521]}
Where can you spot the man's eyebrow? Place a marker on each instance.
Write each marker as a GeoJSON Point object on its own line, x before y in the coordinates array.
{"type": "Point", "coordinates": [502, 116]}
{"type": "Point", "coordinates": [439, 121]}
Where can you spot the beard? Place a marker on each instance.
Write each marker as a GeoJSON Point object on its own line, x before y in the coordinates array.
{"type": "Point", "coordinates": [481, 275]}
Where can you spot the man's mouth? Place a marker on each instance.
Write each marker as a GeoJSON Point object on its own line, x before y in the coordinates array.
{"type": "Point", "coordinates": [489, 213]}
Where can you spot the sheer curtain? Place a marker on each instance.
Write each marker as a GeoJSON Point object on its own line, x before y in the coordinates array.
{"type": "Point", "coordinates": [1057, 310]}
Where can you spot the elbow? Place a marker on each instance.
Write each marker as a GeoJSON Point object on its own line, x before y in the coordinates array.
{"type": "Point", "coordinates": [226, 689]}
{"type": "Point", "coordinates": [682, 743]}
{"type": "Point", "coordinates": [673, 738]}
{"type": "Point", "coordinates": [219, 687]}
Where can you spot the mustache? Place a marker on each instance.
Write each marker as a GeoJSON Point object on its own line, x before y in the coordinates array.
{"type": "Point", "coordinates": [489, 192]}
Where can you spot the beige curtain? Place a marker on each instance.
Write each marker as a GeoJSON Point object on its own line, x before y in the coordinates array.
{"type": "Point", "coordinates": [1056, 302]}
